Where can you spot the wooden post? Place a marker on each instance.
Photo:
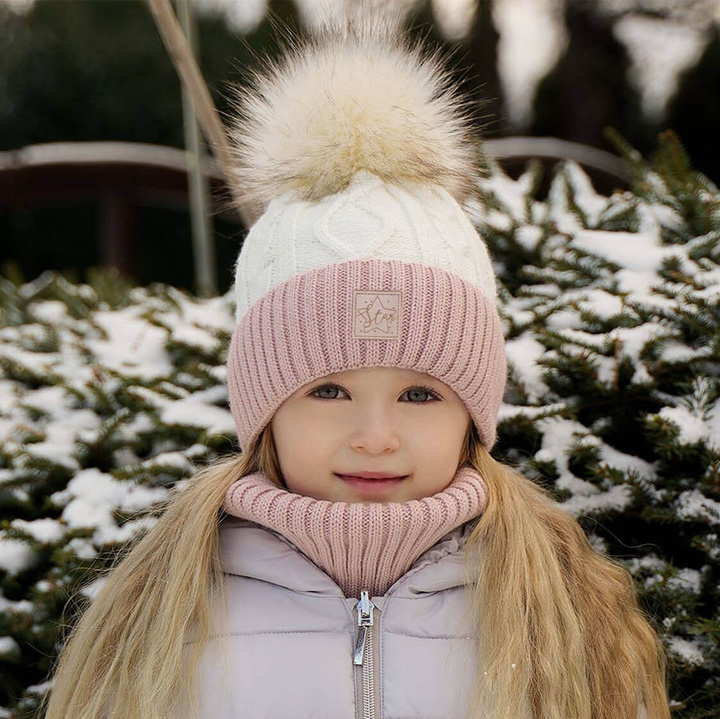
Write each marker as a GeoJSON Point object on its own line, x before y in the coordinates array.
{"type": "Point", "coordinates": [203, 240]}
{"type": "Point", "coordinates": [118, 230]}
{"type": "Point", "coordinates": [180, 53]}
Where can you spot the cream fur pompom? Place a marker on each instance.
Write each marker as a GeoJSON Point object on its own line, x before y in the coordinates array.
{"type": "Point", "coordinates": [353, 97]}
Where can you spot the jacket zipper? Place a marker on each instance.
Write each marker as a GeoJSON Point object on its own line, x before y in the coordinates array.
{"type": "Point", "coordinates": [364, 653]}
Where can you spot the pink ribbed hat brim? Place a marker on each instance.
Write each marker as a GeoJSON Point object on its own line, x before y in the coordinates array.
{"type": "Point", "coordinates": [306, 328]}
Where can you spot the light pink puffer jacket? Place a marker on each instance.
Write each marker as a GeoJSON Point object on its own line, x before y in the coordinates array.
{"type": "Point", "coordinates": [291, 637]}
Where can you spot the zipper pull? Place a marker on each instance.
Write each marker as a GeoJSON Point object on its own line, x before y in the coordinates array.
{"type": "Point", "coordinates": [365, 619]}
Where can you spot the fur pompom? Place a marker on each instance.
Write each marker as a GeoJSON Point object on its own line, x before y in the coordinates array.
{"type": "Point", "coordinates": [354, 97]}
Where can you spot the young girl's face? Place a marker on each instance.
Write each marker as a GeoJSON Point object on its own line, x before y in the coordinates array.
{"type": "Point", "coordinates": [382, 420]}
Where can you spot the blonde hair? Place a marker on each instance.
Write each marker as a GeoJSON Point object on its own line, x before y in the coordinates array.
{"type": "Point", "coordinates": [560, 632]}
{"type": "Point", "coordinates": [559, 625]}
{"type": "Point", "coordinates": [126, 656]}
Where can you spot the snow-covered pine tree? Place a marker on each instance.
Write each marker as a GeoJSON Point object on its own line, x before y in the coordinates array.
{"type": "Point", "coordinates": [111, 394]}
{"type": "Point", "coordinates": [108, 395]}
{"type": "Point", "coordinates": [612, 315]}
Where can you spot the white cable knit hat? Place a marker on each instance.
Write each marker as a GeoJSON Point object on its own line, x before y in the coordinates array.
{"type": "Point", "coordinates": [358, 156]}
{"type": "Point", "coordinates": [369, 219]}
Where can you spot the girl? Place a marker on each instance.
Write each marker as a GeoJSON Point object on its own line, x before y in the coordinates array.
{"type": "Point", "coordinates": [364, 556]}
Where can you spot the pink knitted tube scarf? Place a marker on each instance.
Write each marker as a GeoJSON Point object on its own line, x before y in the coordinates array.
{"type": "Point", "coordinates": [362, 546]}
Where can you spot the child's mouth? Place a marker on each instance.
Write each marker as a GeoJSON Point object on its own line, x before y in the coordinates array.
{"type": "Point", "coordinates": [371, 486]}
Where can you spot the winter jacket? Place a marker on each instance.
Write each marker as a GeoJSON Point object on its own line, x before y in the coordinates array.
{"type": "Point", "coordinates": [291, 639]}
{"type": "Point", "coordinates": [293, 646]}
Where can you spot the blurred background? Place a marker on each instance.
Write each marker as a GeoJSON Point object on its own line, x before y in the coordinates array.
{"type": "Point", "coordinates": [92, 167]}
{"type": "Point", "coordinates": [113, 394]}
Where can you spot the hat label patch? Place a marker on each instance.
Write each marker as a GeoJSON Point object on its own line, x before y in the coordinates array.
{"type": "Point", "coordinates": [376, 315]}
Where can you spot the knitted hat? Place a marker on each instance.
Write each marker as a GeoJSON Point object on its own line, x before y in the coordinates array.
{"type": "Point", "coordinates": [356, 152]}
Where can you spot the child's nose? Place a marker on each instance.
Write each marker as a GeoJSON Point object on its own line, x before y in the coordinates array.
{"type": "Point", "coordinates": [375, 436]}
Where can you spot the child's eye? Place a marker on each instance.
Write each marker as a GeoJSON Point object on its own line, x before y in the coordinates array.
{"type": "Point", "coordinates": [420, 391]}
{"type": "Point", "coordinates": [416, 395]}
{"type": "Point", "coordinates": [325, 391]}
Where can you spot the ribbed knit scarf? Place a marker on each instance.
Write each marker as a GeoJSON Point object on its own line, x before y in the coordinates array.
{"type": "Point", "coordinates": [362, 546]}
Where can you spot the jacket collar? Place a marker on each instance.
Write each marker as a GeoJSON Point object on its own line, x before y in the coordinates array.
{"type": "Point", "coordinates": [251, 550]}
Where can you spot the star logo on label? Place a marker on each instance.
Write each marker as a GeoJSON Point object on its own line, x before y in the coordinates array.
{"type": "Point", "coordinates": [376, 314]}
